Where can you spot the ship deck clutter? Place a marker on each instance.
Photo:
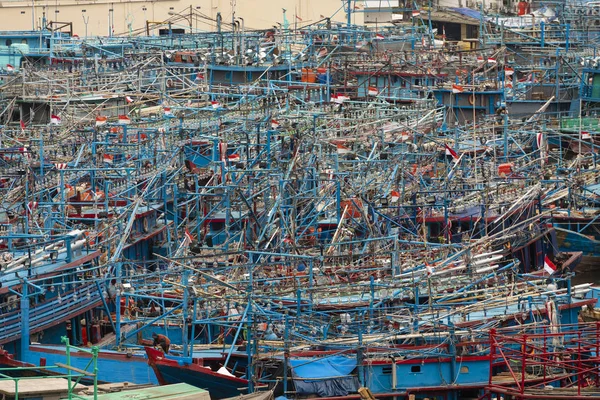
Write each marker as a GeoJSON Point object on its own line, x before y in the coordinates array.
{"type": "Point", "coordinates": [313, 210]}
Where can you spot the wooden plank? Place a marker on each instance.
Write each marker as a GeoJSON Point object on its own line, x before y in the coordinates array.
{"type": "Point", "coordinates": [366, 394]}
{"type": "Point", "coordinates": [81, 371]}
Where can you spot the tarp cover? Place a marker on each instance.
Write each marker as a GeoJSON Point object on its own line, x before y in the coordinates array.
{"type": "Point", "coordinates": [325, 377]}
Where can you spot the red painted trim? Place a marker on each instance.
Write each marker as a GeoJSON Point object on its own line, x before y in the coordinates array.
{"type": "Point", "coordinates": [432, 360]}
{"type": "Point", "coordinates": [81, 354]}
{"type": "Point", "coordinates": [155, 359]}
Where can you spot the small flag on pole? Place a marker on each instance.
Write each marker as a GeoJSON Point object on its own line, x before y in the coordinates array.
{"type": "Point", "coordinates": [457, 89]}
{"type": "Point", "coordinates": [274, 124]}
{"type": "Point", "coordinates": [508, 71]}
{"type": "Point", "coordinates": [416, 13]}
{"type": "Point", "coordinates": [429, 269]}
{"type": "Point", "coordinates": [215, 104]}
{"type": "Point", "coordinates": [585, 135]}
{"type": "Point", "coordinates": [55, 120]}
{"type": "Point", "coordinates": [539, 139]}
{"type": "Point", "coordinates": [338, 98]}
{"type": "Point", "coordinates": [10, 68]}
{"type": "Point", "coordinates": [491, 60]}
{"type": "Point", "coordinates": [100, 120]}
{"type": "Point", "coordinates": [233, 157]}
{"type": "Point", "coordinates": [168, 112]}
{"type": "Point", "coordinates": [479, 59]}
{"type": "Point", "coordinates": [549, 266]}
{"type": "Point", "coordinates": [341, 149]}
{"type": "Point", "coordinates": [450, 152]}
{"type": "Point", "coordinates": [188, 236]}
{"type": "Point", "coordinates": [108, 158]}
{"type": "Point", "coordinates": [395, 196]}
{"type": "Point", "coordinates": [124, 120]}
{"type": "Point", "coordinates": [128, 99]}
{"type": "Point", "coordinates": [372, 91]}
{"type": "Point", "coordinates": [379, 36]}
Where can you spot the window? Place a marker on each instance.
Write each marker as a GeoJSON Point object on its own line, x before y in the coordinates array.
{"type": "Point", "coordinates": [217, 226]}
{"type": "Point", "coordinates": [386, 370]}
{"type": "Point", "coordinates": [415, 368]}
{"type": "Point", "coordinates": [23, 41]}
{"type": "Point", "coordinates": [8, 42]}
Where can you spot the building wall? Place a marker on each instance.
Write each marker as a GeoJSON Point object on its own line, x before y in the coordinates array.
{"type": "Point", "coordinates": [131, 15]}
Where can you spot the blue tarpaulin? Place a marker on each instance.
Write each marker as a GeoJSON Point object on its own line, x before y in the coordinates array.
{"type": "Point", "coordinates": [322, 368]}
{"type": "Point", "coordinates": [325, 377]}
{"type": "Point", "coordinates": [467, 12]}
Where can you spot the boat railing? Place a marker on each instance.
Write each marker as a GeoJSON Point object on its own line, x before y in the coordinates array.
{"type": "Point", "coordinates": [52, 312]}
{"type": "Point", "coordinates": [542, 356]}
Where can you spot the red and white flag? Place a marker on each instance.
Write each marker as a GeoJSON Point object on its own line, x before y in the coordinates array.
{"type": "Point", "coordinates": [379, 36]}
{"type": "Point", "coordinates": [585, 135]}
{"type": "Point", "coordinates": [539, 138]}
{"type": "Point", "coordinates": [338, 98]}
{"type": "Point", "coordinates": [274, 124]}
{"type": "Point", "coordinates": [167, 111]}
{"type": "Point", "coordinates": [22, 124]}
{"type": "Point", "coordinates": [101, 120]}
{"type": "Point", "coordinates": [124, 120]}
{"type": "Point", "coordinates": [416, 13]}
{"type": "Point", "coordinates": [55, 119]}
{"type": "Point", "coordinates": [429, 269]}
{"type": "Point", "coordinates": [128, 99]}
{"type": "Point", "coordinates": [199, 76]}
{"type": "Point", "coordinates": [341, 149]}
{"type": "Point", "coordinates": [508, 71]}
{"type": "Point", "coordinates": [223, 151]}
{"type": "Point", "coordinates": [108, 158]}
{"type": "Point", "coordinates": [479, 59]}
{"type": "Point", "coordinates": [372, 91]}
{"type": "Point", "coordinates": [549, 266]}
{"type": "Point", "coordinates": [233, 157]}
{"type": "Point", "coordinates": [491, 60]}
{"type": "Point", "coordinates": [457, 89]}
{"type": "Point", "coordinates": [450, 152]}
{"type": "Point", "coordinates": [215, 104]}
{"type": "Point", "coordinates": [188, 236]}
{"type": "Point", "coordinates": [10, 68]}
{"type": "Point", "coordinates": [395, 196]}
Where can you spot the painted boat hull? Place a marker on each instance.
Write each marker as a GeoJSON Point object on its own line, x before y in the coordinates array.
{"type": "Point", "coordinates": [112, 366]}
{"type": "Point", "coordinates": [170, 370]}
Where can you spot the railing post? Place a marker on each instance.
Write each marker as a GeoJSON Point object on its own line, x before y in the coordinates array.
{"type": "Point", "coordinates": [579, 373]}
{"type": "Point", "coordinates": [95, 357]}
{"type": "Point", "coordinates": [492, 353]}
{"type": "Point", "coordinates": [65, 340]}
{"type": "Point", "coordinates": [523, 363]}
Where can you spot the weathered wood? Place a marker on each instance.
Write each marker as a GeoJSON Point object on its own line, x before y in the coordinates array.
{"type": "Point", "coordinates": [81, 371]}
